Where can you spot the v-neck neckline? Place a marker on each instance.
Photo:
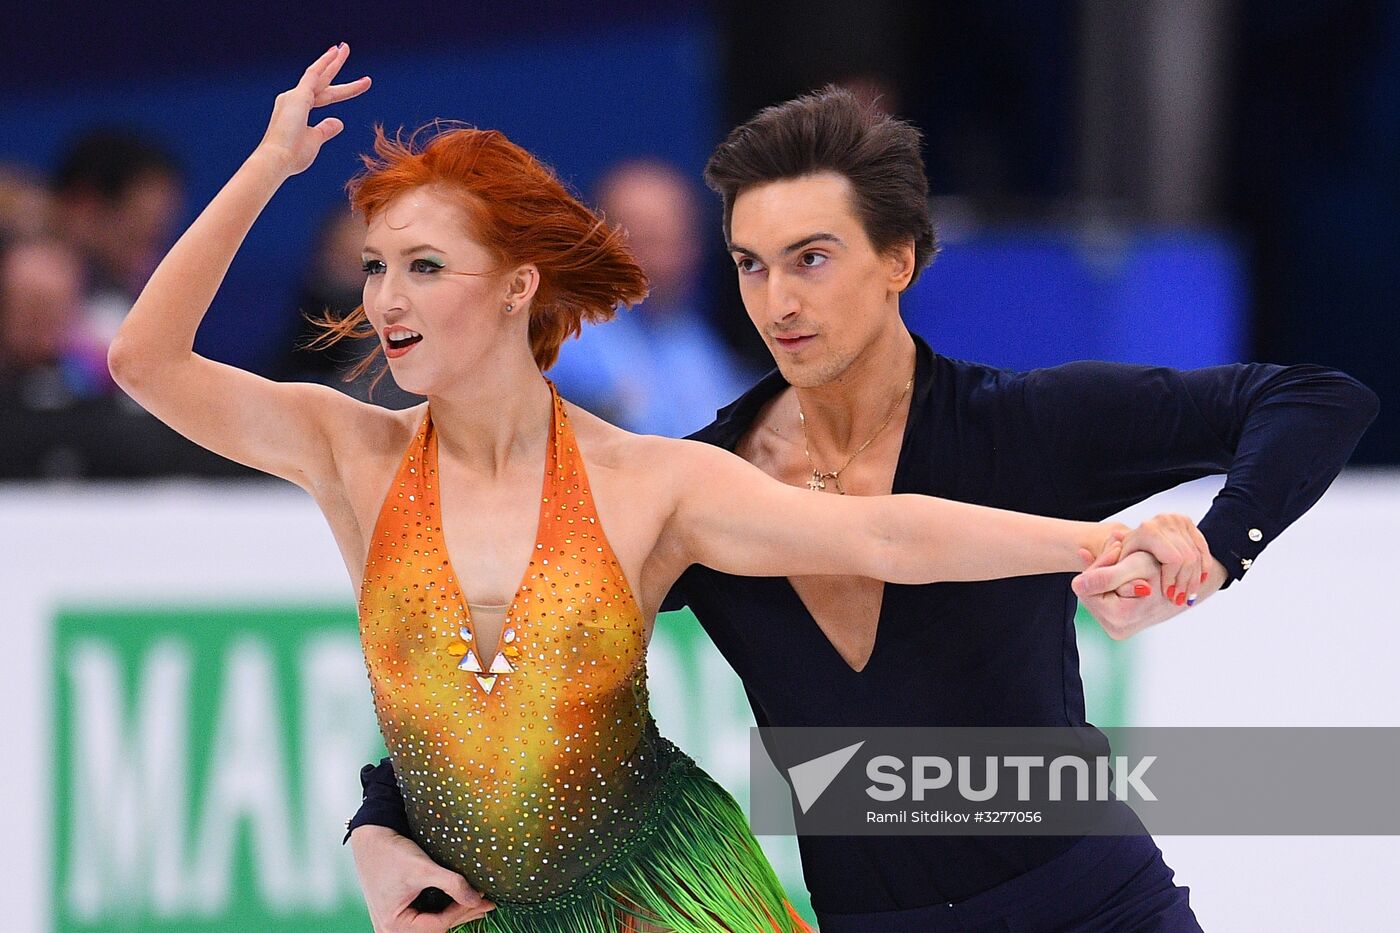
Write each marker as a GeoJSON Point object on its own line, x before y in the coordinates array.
{"type": "Point", "coordinates": [830, 645]}
{"type": "Point", "coordinates": [551, 466]}
{"type": "Point", "coordinates": [901, 467]}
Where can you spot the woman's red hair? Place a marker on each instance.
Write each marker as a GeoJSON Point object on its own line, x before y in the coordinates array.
{"type": "Point", "coordinates": [521, 211]}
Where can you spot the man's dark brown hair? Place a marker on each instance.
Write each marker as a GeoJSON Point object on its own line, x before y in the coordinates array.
{"type": "Point", "coordinates": [832, 131]}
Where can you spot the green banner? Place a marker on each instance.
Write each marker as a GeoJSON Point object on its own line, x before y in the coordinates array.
{"type": "Point", "coordinates": [206, 762]}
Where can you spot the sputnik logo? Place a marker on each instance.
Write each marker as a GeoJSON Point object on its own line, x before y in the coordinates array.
{"type": "Point", "coordinates": [811, 778]}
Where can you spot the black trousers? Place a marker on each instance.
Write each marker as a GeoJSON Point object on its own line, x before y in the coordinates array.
{"type": "Point", "coordinates": [1102, 884]}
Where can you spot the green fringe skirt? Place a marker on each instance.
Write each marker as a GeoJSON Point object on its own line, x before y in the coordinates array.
{"type": "Point", "coordinates": [694, 868]}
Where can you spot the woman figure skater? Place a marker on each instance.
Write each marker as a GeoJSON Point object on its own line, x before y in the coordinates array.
{"type": "Point", "coordinates": [514, 703]}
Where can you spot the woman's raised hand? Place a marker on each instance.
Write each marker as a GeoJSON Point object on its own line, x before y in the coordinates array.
{"type": "Point", "coordinates": [289, 137]}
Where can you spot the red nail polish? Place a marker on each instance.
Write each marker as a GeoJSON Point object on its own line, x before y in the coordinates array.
{"type": "Point", "coordinates": [1142, 589]}
{"type": "Point", "coordinates": [1171, 590]}
{"type": "Point", "coordinates": [1181, 599]}
{"type": "Point", "coordinates": [1205, 575]}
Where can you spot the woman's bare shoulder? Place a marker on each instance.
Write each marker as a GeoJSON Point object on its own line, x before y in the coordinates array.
{"type": "Point", "coordinates": [368, 441]}
{"type": "Point", "coordinates": [360, 428]}
{"type": "Point", "coordinates": [611, 447]}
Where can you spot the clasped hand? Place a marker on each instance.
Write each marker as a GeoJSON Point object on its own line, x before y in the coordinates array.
{"type": "Point", "coordinates": [1148, 574]}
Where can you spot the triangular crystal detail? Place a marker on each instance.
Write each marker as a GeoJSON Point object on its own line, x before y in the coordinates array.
{"type": "Point", "coordinates": [470, 663]}
{"type": "Point", "coordinates": [487, 681]}
{"type": "Point", "coordinates": [501, 665]}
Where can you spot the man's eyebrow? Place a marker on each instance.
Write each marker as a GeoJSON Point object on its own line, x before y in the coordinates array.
{"type": "Point", "coordinates": [792, 247]}
{"type": "Point", "coordinates": [808, 241]}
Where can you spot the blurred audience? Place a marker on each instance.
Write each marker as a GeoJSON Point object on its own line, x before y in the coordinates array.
{"type": "Point", "coordinates": [334, 282]}
{"type": "Point", "coordinates": [60, 415]}
{"type": "Point", "coordinates": [117, 196]}
{"type": "Point", "coordinates": [659, 368]}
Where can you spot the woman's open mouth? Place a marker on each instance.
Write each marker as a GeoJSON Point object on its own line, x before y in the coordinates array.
{"type": "Point", "coordinates": [399, 341]}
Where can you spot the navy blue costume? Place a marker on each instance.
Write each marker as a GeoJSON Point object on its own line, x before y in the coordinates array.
{"type": "Point", "coordinates": [1080, 441]}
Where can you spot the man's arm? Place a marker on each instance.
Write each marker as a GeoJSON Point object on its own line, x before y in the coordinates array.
{"type": "Point", "coordinates": [1113, 434]}
{"type": "Point", "coordinates": [404, 889]}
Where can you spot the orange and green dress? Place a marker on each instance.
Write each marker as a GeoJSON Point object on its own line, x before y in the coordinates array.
{"type": "Point", "coordinates": [533, 767]}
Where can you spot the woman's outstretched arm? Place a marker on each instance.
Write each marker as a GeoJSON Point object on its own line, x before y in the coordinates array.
{"type": "Point", "coordinates": [731, 516]}
{"type": "Point", "coordinates": [282, 429]}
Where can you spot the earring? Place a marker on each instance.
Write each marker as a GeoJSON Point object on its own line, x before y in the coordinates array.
{"type": "Point", "coordinates": [510, 308]}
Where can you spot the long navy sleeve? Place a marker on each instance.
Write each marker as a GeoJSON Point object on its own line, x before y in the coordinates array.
{"type": "Point", "coordinates": [1114, 434]}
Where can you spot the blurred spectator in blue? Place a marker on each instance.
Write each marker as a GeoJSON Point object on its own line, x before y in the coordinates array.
{"type": "Point", "coordinates": [659, 368]}
{"type": "Point", "coordinates": [46, 359]}
{"type": "Point", "coordinates": [117, 196]}
{"type": "Point", "coordinates": [334, 284]}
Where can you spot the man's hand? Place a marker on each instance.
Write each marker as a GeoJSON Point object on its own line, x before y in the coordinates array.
{"type": "Point", "coordinates": [393, 871]}
{"type": "Point", "coordinates": [1111, 589]}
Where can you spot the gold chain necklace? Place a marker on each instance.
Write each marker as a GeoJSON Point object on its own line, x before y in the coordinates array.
{"type": "Point", "coordinates": [818, 481]}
